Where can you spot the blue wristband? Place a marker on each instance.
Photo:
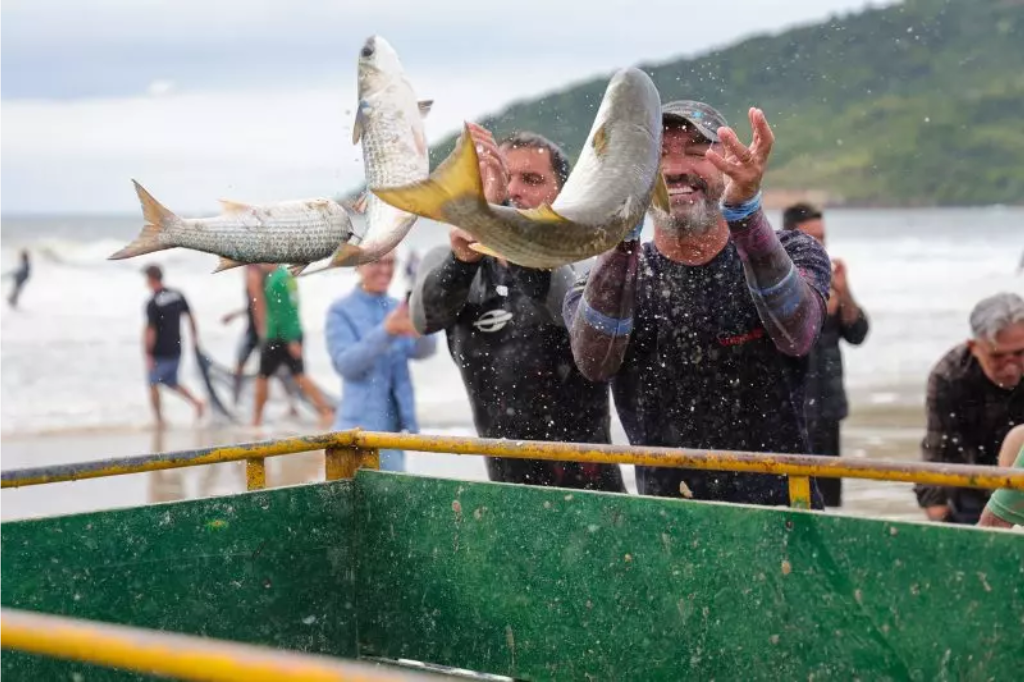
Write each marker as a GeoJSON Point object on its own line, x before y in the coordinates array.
{"type": "Point", "coordinates": [742, 211]}
{"type": "Point", "coordinates": [611, 326]}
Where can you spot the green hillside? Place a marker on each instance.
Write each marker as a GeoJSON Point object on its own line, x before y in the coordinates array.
{"type": "Point", "coordinates": [920, 103]}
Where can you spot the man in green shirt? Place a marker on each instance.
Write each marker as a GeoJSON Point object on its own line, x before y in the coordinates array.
{"type": "Point", "coordinates": [1005, 508]}
{"type": "Point", "coordinates": [281, 342]}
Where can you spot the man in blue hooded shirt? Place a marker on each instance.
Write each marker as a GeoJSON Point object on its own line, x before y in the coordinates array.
{"type": "Point", "coordinates": [371, 339]}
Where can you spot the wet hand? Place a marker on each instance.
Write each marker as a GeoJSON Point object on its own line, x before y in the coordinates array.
{"type": "Point", "coordinates": [839, 282]}
{"type": "Point", "coordinates": [743, 167]}
{"type": "Point", "coordinates": [398, 322]}
{"type": "Point", "coordinates": [493, 171]}
{"type": "Point", "coordinates": [460, 241]}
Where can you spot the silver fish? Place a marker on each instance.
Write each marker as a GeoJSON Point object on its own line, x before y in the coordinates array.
{"type": "Point", "coordinates": [297, 232]}
{"type": "Point", "coordinates": [389, 123]}
{"type": "Point", "coordinates": [607, 194]}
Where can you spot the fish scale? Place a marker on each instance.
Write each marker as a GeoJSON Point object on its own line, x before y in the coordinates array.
{"type": "Point", "coordinates": [390, 127]}
{"type": "Point", "coordinates": [297, 232]}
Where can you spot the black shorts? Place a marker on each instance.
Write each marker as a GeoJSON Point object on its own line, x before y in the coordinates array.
{"type": "Point", "coordinates": [274, 353]}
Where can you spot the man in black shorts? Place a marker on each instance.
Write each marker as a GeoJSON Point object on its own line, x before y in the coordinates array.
{"type": "Point", "coordinates": [162, 341]}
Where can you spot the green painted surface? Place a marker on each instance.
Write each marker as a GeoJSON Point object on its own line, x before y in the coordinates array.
{"type": "Point", "coordinates": [555, 584]}
{"type": "Point", "coordinates": [272, 567]}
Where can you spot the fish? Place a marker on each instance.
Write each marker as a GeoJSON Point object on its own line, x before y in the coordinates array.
{"type": "Point", "coordinates": [389, 124]}
{"type": "Point", "coordinates": [296, 232]}
{"type": "Point", "coordinates": [608, 193]}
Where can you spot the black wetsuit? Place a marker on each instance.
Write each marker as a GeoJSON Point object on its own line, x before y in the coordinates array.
{"type": "Point", "coordinates": [506, 336]}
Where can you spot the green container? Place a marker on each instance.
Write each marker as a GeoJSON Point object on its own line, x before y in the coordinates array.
{"type": "Point", "coordinates": [534, 583]}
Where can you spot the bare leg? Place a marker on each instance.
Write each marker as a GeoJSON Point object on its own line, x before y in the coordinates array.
{"type": "Point", "coordinates": [187, 395]}
{"type": "Point", "coordinates": [261, 400]}
{"type": "Point", "coordinates": [154, 401]}
{"type": "Point", "coordinates": [239, 369]}
{"type": "Point", "coordinates": [313, 393]}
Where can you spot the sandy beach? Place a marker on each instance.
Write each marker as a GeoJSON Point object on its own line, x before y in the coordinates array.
{"type": "Point", "coordinates": [73, 384]}
{"type": "Point", "coordinates": [873, 432]}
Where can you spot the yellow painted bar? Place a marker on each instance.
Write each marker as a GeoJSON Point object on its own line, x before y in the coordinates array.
{"type": "Point", "coordinates": [255, 473]}
{"type": "Point", "coordinates": [178, 656]}
{"type": "Point", "coordinates": [800, 492]}
{"type": "Point", "coordinates": [344, 462]}
{"type": "Point", "coordinates": [370, 442]}
{"type": "Point", "coordinates": [960, 475]}
{"type": "Point", "coordinates": [173, 460]}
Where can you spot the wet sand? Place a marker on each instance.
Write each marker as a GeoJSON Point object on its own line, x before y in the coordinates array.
{"type": "Point", "coordinates": [890, 432]}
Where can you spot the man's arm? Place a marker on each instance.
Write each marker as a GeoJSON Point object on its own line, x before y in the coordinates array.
{"type": "Point", "coordinates": [149, 334]}
{"type": "Point", "coordinates": [546, 287]}
{"type": "Point", "coordinates": [148, 342]}
{"type": "Point", "coordinates": [254, 289]}
{"type": "Point", "coordinates": [943, 443]}
{"type": "Point", "coordinates": [598, 311]}
{"type": "Point", "coordinates": [853, 323]}
{"type": "Point", "coordinates": [353, 357]}
{"type": "Point", "coordinates": [788, 287]}
{"type": "Point", "coordinates": [441, 290]}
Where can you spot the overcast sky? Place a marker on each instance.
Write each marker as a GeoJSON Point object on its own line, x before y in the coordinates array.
{"type": "Point", "coordinates": [253, 100]}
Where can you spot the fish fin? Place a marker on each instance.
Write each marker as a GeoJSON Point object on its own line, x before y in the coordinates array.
{"type": "Point", "coordinates": [157, 219]}
{"type": "Point", "coordinates": [357, 126]}
{"type": "Point", "coordinates": [226, 264]}
{"type": "Point", "coordinates": [346, 255]}
{"type": "Point", "coordinates": [357, 205]}
{"type": "Point", "coordinates": [543, 213]}
{"type": "Point", "coordinates": [297, 268]}
{"type": "Point", "coordinates": [424, 106]}
{"type": "Point", "coordinates": [457, 177]}
{"type": "Point", "coordinates": [661, 199]}
{"type": "Point", "coordinates": [229, 206]}
{"type": "Point", "coordinates": [600, 140]}
{"type": "Point", "coordinates": [486, 250]}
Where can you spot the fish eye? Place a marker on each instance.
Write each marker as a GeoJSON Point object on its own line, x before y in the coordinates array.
{"type": "Point", "coordinates": [367, 51]}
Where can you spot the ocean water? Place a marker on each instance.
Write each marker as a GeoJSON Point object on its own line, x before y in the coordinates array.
{"type": "Point", "coordinates": [71, 355]}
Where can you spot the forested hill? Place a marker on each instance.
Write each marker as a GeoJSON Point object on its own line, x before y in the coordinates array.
{"type": "Point", "coordinates": [920, 103]}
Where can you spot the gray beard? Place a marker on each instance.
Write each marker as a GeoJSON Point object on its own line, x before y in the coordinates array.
{"type": "Point", "coordinates": [699, 220]}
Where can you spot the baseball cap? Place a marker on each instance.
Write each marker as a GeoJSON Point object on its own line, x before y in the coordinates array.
{"type": "Point", "coordinates": [703, 117]}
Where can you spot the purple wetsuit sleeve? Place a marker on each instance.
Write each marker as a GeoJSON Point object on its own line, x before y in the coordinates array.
{"type": "Point", "coordinates": [598, 312]}
{"type": "Point", "coordinates": [788, 283]}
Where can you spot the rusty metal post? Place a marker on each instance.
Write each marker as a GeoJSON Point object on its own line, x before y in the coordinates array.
{"type": "Point", "coordinates": [343, 462]}
{"type": "Point", "coordinates": [255, 473]}
{"type": "Point", "coordinates": [799, 492]}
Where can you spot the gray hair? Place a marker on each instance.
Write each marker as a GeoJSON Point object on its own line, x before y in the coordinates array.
{"type": "Point", "coordinates": [528, 140]}
{"type": "Point", "coordinates": [994, 314]}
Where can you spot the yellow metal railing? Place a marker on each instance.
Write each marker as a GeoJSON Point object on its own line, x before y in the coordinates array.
{"type": "Point", "coordinates": [348, 451]}
{"type": "Point", "coordinates": [182, 657]}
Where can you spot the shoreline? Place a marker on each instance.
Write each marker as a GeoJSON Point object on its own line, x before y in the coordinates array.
{"type": "Point", "coordinates": [881, 432]}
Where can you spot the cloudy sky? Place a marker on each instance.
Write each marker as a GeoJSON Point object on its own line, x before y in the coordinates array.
{"type": "Point", "coordinates": [253, 99]}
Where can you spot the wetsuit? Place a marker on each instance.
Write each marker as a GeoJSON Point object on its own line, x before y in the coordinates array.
{"type": "Point", "coordinates": [710, 356]}
{"type": "Point", "coordinates": [506, 338]}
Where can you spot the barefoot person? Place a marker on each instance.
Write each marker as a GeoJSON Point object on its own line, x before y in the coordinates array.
{"type": "Point", "coordinates": [281, 343]}
{"type": "Point", "coordinates": [162, 341]}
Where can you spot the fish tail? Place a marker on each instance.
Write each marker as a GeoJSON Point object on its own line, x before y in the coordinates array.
{"type": "Point", "coordinates": [158, 218]}
{"type": "Point", "coordinates": [458, 177]}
